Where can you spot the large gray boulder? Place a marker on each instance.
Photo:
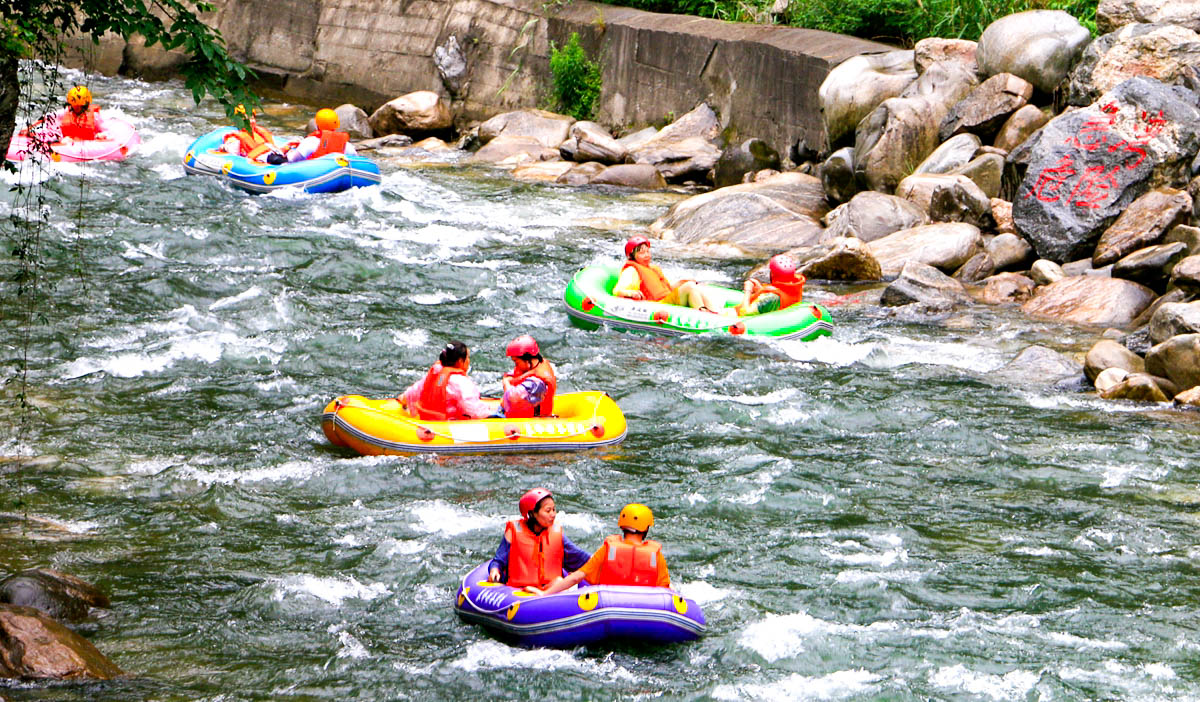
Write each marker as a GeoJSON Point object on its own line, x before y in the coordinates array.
{"type": "Point", "coordinates": [870, 215]}
{"type": "Point", "coordinates": [684, 149]}
{"type": "Point", "coordinates": [935, 50]}
{"type": "Point", "coordinates": [1166, 52]}
{"type": "Point", "coordinates": [842, 258]}
{"type": "Point", "coordinates": [1173, 319]}
{"type": "Point", "coordinates": [1106, 354]}
{"type": "Point", "coordinates": [857, 85]}
{"type": "Point", "coordinates": [764, 217]}
{"type": "Point", "coordinates": [1090, 300]}
{"type": "Point", "coordinates": [513, 151]}
{"type": "Point", "coordinates": [954, 153]}
{"type": "Point", "coordinates": [588, 141]}
{"type": "Point", "coordinates": [1040, 46]}
{"type": "Point", "coordinates": [924, 285]}
{"type": "Point", "coordinates": [546, 128]}
{"type": "Point", "coordinates": [1088, 165]}
{"type": "Point", "coordinates": [630, 175]}
{"type": "Point", "coordinates": [1114, 14]}
{"type": "Point", "coordinates": [944, 246]}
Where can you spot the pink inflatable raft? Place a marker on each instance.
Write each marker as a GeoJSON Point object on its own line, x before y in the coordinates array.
{"type": "Point", "coordinates": [120, 138]}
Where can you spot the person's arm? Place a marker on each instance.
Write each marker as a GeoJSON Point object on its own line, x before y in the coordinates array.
{"type": "Point", "coordinates": [664, 578]}
{"type": "Point", "coordinates": [350, 150]}
{"type": "Point", "coordinates": [574, 558]}
{"type": "Point", "coordinates": [469, 403]}
{"type": "Point", "coordinates": [306, 148]}
{"type": "Point", "coordinates": [559, 585]}
{"type": "Point", "coordinates": [498, 568]}
{"type": "Point", "coordinates": [589, 572]}
{"type": "Point", "coordinates": [409, 396]}
{"type": "Point", "coordinates": [629, 285]}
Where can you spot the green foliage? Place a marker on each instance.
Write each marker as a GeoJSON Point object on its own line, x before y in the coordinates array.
{"type": "Point", "coordinates": [577, 79]}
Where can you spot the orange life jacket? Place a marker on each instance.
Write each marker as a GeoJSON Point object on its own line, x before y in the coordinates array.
{"type": "Point", "coordinates": [789, 293]}
{"type": "Point", "coordinates": [434, 402]}
{"type": "Point", "coordinates": [533, 559]}
{"type": "Point", "coordinates": [331, 142]}
{"type": "Point", "coordinates": [82, 127]}
{"type": "Point", "coordinates": [630, 564]}
{"type": "Point", "coordinates": [519, 409]}
{"type": "Point", "coordinates": [655, 285]}
{"type": "Point", "coordinates": [255, 142]}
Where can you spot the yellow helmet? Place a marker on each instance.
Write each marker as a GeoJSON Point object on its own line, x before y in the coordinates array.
{"type": "Point", "coordinates": [635, 517]}
{"type": "Point", "coordinates": [79, 96]}
{"type": "Point", "coordinates": [327, 120]}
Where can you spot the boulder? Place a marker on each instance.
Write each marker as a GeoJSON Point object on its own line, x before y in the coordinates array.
{"type": "Point", "coordinates": [1106, 354]}
{"type": "Point", "coordinates": [1002, 216]}
{"type": "Point", "coordinates": [1003, 289]}
{"type": "Point", "coordinates": [1137, 387]}
{"type": "Point", "coordinates": [837, 175]}
{"type": "Point", "coordinates": [1177, 359]}
{"type": "Point", "coordinates": [1008, 251]}
{"type": "Point", "coordinates": [1020, 125]}
{"type": "Point", "coordinates": [685, 148]}
{"type": "Point", "coordinates": [1046, 272]}
{"type": "Point", "coordinates": [582, 174]}
{"type": "Point", "coordinates": [954, 153]}
{"type": "Point", "coordinates": [1114, 14]}
{"type": "Point", "coordinates": [631, 175]}
{"type": "Point", "coordinates": [636, 139]}
{"type": "Point", "coordinates": [36, 647]}
{"type": "Point", "coordinates": [590, 142]}
{"type": "Point", "coordinates": [1189, 397]}
{"type": "Point", "coordinates": [398, 141]}
{"type": "Point", "coordinates": [986, 108]}
{"type": "Point", "coordinates": [1040, 46]}
{"type": "Point", "coordinates": [1142, 322]}
{"type": "Point", "coordinates": [1186, 235]}
{"type": "Point", "coordinates": [985, 171]}
{"type": "Point", "coordinates": [513, 150]}
{"type": "Point", "coordinates": [857, 85]}
{"type": "Point", "coordinates": [1086, 166]}
{"type": "Point", "coordinates": [976, 268]}
{"type": "Point", "coordinates": [1174, 319]}
{"type": "Point", "coordinates": [870, 215]}
{"type": "Point", "coordinates": [1109, 377]}
{"type": "Point", "coordinates": [58, 595]}
{"type": "Point", "coordinates": [754, 218]}
{"type": "Point", "coordinates": [844, 258]}
{"type": "Point", "coordinates": [548, 129]}
{"type": "Point", "coordinates": [451, 65]}
{"type": "Point", "coordinates": [944, 246]}
{"type": "Point", "coordinates": [1142, 224]}
{"type": "Point", "coordinates": [422, 111]}
{"type": "Point", "coordinates": [542, 171]}
{"type": "Point", "coordinates": [1090, 300]}
{"type": "Point", "coordinates": [1166, 52]}
{"type": "Point", "coordinates": [934, 50]}
{"type": "Point", "coordinates": [747, 157]}
{"type": "Point", "coordinates": [1038, 365]}
{"type": "Point", "coordinates": [904, 130]}
{"type": "Point", "coordinates": [924, 285]}
{"type": "Point", "coordinates": [352, 120]}
{"type": "Point", "coordinates": [960, 200]}
{"type": "Point", "coordinates": [1150, 266]}
{"type": "Point", "coordinates": [1186, 275]}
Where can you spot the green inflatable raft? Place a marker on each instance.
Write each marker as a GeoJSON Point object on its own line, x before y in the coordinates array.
{"type": "Point", "coordinates": [590, 303]}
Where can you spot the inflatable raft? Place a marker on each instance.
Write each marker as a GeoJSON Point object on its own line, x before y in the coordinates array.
{"type": "Point", "coordinates": [120, 138]}
{"type": "Point", "coordinates": [580, 616]}
{"type": "Point", "coordinates": [590, 303]}
{"type": "Point", "coordinates": [377, 427]}
{"type": "Point", "coordinates": [330, 173]}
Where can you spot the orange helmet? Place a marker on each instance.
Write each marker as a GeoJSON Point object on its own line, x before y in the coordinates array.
{"type": "Point", "coordinates": [79, 96]}
{"type": "Point", "coordinates": [327, 120]}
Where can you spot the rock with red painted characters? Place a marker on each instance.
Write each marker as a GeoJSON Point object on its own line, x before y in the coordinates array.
{"type": "Point", "coordinates": [1085, 167]}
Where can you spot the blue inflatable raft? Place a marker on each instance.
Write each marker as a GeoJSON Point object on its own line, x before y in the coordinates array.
{"type": "Point", "coordinates": [580, 616]}
{"type": "Point", "coordinates": [330, 173]}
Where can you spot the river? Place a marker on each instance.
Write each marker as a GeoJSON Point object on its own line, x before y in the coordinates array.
{"type": "Point", "coordinates": [879, 515]}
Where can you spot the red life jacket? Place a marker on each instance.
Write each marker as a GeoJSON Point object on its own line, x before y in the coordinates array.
{"type": "Point", "coordinates": [533, 559]}
{"type": "Point", "coordinates": [630, 564]}
{"type": "Point", "coordinates": [81, 127]}
{"type": "Point", "coordinates": [331, 142]}
{"type": "Point", "coordinates": [434, 401]}
{"type": "Point", "coordinates": [655, 285]}
{"type": "Point", "coordinates": [255, 142]}
{"type": "Point", "coordinates": [519, 409]}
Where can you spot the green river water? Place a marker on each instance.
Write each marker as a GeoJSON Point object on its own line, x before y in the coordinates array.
{"type": "Point", "coordinates": [874, 516]}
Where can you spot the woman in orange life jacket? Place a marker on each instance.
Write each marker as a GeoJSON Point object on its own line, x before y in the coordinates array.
{"type": "Point", "coordinates": [534, 551]}
{"type": "Point", "coordinates": [642, 280]}
{"type": "Point", "coordinates": [256, 144]}
{"type": "Point", "coordinates": [628, 559]}
{"type": "Point", "coordinates": [446, 393]}
{"type": "Point", "coordinates": [785, 290]}
{"type": "Point", "coordinates": [530, 386]}
{"type": "Point", "coordinates": [326, 140]}
{"type": "Point", "coordinates": [81, 120]}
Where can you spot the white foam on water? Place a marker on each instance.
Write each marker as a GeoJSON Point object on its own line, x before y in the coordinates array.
{"type": "Point", "coordinates": [247, 294]}
{"type": "Point", "coordinates": [432, 298]}
{"type": "Point", "coordinates": [834, 686]}
{"type": "Point", "coordinates": [1013, 685]}
{"type": "Point", "coordinates": [492, 655]}
{"type": "Point", "coordinates": [287, 471]}
{"type": "Point", "coordinates": [335, 591]}
{"type": "Point", "coordinates": [168, 172]}
{"type": "Point", "coordinates": [1041, 551]}
{"type": "Point", "coordinates": [411, 338]}
{"type": "Point", "coordinates": [696, 498]}
{"type": "Point", "coordinates": [351, 647]}
{"type": "Point", "coordinates": [582, 521]}
{"type": "Point", "coordinates": [442, 518]}
{"type": "Point", "coordinates": [348, 540]}
{"type": "Point", "coordinates": [79, 527]}
{"type": "Point", "coordinates": [143, 250]}
{"type": "Point", "coordinates": [1080, 643]}
{"type": "Point", "coordinates": [785, 635]}
{"type": "Point", "coordinates": [491, 323]}
{"type": "Point", "coordinates": [152, 466]}
{"type": "Point", "coordinates": [205, 347]}
{"type": "Point", "coordinates": [855, 577]}
{"type": "Point", "coordinates": [771, 398]}
{"type": "Point", "coordinates": [277, 384]}
{"type": "Point", "coordinates": [855, 553]}
{"type": "Point", "coordinates": [701, 592]}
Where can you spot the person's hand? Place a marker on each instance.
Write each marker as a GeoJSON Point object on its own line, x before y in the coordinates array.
{"type": "Point", "coordinates": [533, 590]}
{"type": "Point", "coordinates": [494, 575]}
{"type": "Point", "coordinates": [635, 295]}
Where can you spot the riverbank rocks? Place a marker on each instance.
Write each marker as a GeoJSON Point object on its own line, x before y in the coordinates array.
{"type": "Point", "coordinates": [630, 175]}
{"type": "Point", "coordinates": [1166, 52]}
{"type": "Point", "coordinates": [1040, 46]}
{"type": "Point", "coordinates": [986, 108]}
{"type": "Point", "coordinates": [685, 148]}
{"type": "Point", "coordinates": [1114, 14]}
{"type": "Point", "coordinates": [1088, 165]}
{"type": "Point", "coordinates": [934, 49]}
{"type": "Point", "coordinates": [1174, 319]}
{"type": "Point", "coordinates": [837, 175]}
{"type": "Point", "coordinates": [750, 156]}
{"type": "Point", "coordinates": [1177, 359]}
{"type": "Point", "coordinates": [35, 647]}
{"type": "Point", "coordinates": [58, 595]}
{"type": "Point", "coordinates": [546, 128]}
{"type": "Point", "coordinates": [351, 119]}
{"type": "Point", "coordinates": [588, 141]}
{"type": "Point", "coordinates": [924, 285]}
{"type": "Point", "coordinates": [513, 151]}
{"type": "Point", "coordinates": [842, 258]}
{"type": "Point", "coordinates": [765, 217]}
{"type": "Point", "coordinates": [858, 85]}
{"type": "Point", "coordinates": [1142, 224]}
{"type": "Point", "coordinates": [1091, 300]}
{"type": "Point", "coordinates": [1039, 365]}
{"type": "Point", "coordinates": [1004, 289]}
{"type": "Point", "coordinates": [1106, 354]}
{"type": "Point", "coordinates": [1020, 125]}
{"type": "Point", "coordinates": [1150, 266]}
{"type": "Point", "coordinates": [1186, 275]}
{"type": "Point", "coordinates": [870, 215]}
{"type": "Point", "coordinates": [415, 113]}
{"type": "Point", "coordinates": [1136, 387]}
{"type": "Point", "coordinates": [943, 246]}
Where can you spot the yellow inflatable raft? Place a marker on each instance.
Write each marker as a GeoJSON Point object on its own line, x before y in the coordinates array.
{"type": "Point", "coordinates": [382, 427]}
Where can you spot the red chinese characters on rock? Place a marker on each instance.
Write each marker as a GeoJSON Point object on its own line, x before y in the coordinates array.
{"type": "Point", "coordinates": [1095, 184]}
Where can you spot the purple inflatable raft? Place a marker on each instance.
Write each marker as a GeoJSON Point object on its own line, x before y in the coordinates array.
{"type": "Point", "coordinates": [582, 616]}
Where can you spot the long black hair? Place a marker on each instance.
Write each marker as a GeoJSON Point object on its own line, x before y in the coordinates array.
{"type": "Point", "coordinates": [454, 352]}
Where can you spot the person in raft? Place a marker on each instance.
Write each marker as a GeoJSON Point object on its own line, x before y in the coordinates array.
{"type": "Point", "coordinates": [534, 551]}
{"type": "Point", "coordinates": [628, 559]}
{"type": "Point", "coordinates": [81, 120]}
{"type": "Point", "coordinates": [786, 288]}
{"type": "Point", "coordinates": [256, 144]}
{"type": "Point", "coordinates": [446, 393]}
{"type": "Point", "coordinates": [326, 140]}
{"type": "Point", "coordinates": [530, 386]}
{"type": "Point", "coordinates": [642, 280]}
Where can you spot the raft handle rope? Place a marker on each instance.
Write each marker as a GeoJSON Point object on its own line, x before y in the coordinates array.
{"type": "Point", "coordinates": [588, 303]}
{"type": "Point", "coordinates": [595, 427]}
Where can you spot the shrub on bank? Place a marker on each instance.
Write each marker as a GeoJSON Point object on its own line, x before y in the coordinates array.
{"type": "Point", "coordinates": [576, 79]}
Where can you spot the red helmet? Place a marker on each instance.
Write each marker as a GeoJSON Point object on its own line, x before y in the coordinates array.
{"type": "Point", "coordinates": [783, 268]}
{"type": "Point", "coordinates": [633, 243]}
{"type": "Point", "coordinates": [523, 345]}
{"type": "Point", "coordinates": [529, 501]}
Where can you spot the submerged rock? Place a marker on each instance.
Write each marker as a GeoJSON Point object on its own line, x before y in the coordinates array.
{"type": "Point", "coordinates": [58, 595]}
{"type": "Point", "coordinates": [34, 646]}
